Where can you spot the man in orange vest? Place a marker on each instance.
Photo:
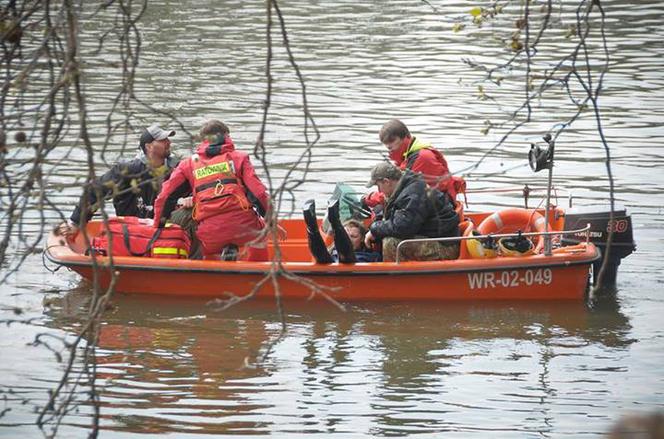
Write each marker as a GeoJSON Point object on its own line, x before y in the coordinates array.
{"type": "Point", "coordinates": [229, 200]}
{"type": "Point", "coordinates": [409, 153]}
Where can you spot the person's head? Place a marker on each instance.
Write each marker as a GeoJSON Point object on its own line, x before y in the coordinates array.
{"type": "Point", "coordinates": [155, 142]}
{"type": "Point", "coordinates": [393, 134]}
{"type": "Point", "coordinates": [356, 232]}
{"type": "Point", "coordinates": [385, 176]}
{"type": "Point", "coordinates": [214, 131]}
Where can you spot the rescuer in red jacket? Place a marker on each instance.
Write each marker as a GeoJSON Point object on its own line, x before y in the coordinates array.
{"type": "Point", "coordinates": [229, 200]}
{"type": "Point", "coordinates": [408, 152]}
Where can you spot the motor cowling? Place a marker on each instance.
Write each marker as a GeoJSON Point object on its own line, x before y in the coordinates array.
{"type": "Point", "coordinates": [601, 225]}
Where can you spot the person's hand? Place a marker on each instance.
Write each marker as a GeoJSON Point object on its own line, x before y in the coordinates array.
{"type": "Point", "coordinates": [69, 230]}
{"type": "Point", "coordinates": [373, 199]}
{"type": "Point", "coordinates": [186, 203]}
{"type": "Point", "coordinates": [377, 213]}
{"type": "Point", "coordinates": [369, 240]}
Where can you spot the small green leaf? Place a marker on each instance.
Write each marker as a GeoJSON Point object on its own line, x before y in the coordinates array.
{"type": "Point", "coordinates": [487, 127]}
{"type": "Point", "coordinates": [571, 32]}
{"type": "Point", "coordinates": [476, 11]}
{"type": "Point", "coordinates": [481, 95]}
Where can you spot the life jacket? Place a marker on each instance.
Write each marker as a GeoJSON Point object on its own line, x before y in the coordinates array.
{"type": "Point", "coordinates": [449, 183]}
{"type": "Point", "coordinates": [417, 145]}
{"type": "Point", "coordinates": [217, 188]}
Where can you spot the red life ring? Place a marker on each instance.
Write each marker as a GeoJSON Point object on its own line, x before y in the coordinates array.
{"type": "Point", "coordinates": [514, 220]}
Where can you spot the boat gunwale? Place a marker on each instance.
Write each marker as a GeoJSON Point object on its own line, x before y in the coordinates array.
{"type": "Point", "coordinates": [299, 268]}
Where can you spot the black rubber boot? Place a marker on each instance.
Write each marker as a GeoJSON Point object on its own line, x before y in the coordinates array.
{"type": "Point", "coordinates": [342, 242]}
{"type": "Point", "coordinates": [316, 243]}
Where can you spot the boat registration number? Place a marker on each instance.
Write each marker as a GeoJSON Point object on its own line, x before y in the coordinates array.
{"type": "Point", "coordinates": [513, 278]}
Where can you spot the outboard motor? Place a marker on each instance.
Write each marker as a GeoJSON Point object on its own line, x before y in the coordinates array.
{"type": "Point", "coordinates": [622, 244]}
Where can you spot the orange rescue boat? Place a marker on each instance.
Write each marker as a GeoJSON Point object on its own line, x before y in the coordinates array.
{"type": "Point", "coordinates": [563, 275]}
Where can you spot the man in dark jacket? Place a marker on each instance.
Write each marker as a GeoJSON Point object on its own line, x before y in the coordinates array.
{"type": "Point", "coordinates": [412, 211]}
{"type": "Point", "coordinates": [132, 184]}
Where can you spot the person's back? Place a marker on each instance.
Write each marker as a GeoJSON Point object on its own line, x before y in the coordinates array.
{"type": "Point", "coordinates": [225, 189]}
{"type": "Point", "coordinates": [442, 220]}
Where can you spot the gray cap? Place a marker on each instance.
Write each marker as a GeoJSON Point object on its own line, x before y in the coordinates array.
{"type": "Point", "coordinates": [152, 133]}
{"type": "Point", "coordinates": [384, 170]}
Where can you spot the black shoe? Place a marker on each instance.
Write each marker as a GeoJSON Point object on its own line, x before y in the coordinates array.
{"type": "Point", "coordinates": [333, 213]}
{"type": "Point", "coordinates": [342, 241]}
{"type": "Point", "coordinates": [229, 253]}
{"type": "Point", "coordinates": [309, 212]}
{"type": "Point", "coordinates": [316, 243]}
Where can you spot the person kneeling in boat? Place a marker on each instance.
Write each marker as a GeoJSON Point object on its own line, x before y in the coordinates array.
{"type": "Point", "coordinates": [228, 197]}
{"type": "Point", "coordinates": [132, 184]}
{"type": "Point", "coordinates": [349, 244]}
{"type": "Point", "coordinates": [412, 211]}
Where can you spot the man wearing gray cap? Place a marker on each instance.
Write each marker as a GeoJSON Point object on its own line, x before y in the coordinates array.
{"type": "Point", "coordinates": [132, 184]}
{"type": "Point", "coordinates": [412, 211]}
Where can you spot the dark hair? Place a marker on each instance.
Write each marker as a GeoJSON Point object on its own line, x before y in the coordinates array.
{"type": "Point", "coordinates": [393, 129]}
{"type": "Point", "coordinates": [353, 223]}
{"type": "Point", "coordinates": [357, 224]}
{"type": "Point", "coordinates": [384, 170]}
{"type": "Point", "coordinates": [212, 129]}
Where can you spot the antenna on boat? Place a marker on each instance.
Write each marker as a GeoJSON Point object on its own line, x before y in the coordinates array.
{"type": "Point", "coordinates": [542, 158]}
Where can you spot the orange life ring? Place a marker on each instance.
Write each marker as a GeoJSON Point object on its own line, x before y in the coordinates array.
{"type": "Point", "coordinates": [514, 220]}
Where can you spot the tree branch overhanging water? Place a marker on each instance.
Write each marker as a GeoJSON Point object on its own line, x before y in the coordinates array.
{"type": "Point", "coordinates": [40, 39]}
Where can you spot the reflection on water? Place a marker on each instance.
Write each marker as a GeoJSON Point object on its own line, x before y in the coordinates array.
{"type": "Point", "coordinates": [169, 365]}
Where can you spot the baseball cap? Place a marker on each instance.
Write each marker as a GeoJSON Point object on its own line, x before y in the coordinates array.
{"type": "Point", "coordinates": [384, 170]}
{"type": "Point", "coordinates": [152, 133]}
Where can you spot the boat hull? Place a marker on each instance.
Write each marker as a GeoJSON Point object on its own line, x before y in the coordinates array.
{"type": "Point", "coordinates": [562, 276]}
{"type": "Point", "coordinates": [545, 282]}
